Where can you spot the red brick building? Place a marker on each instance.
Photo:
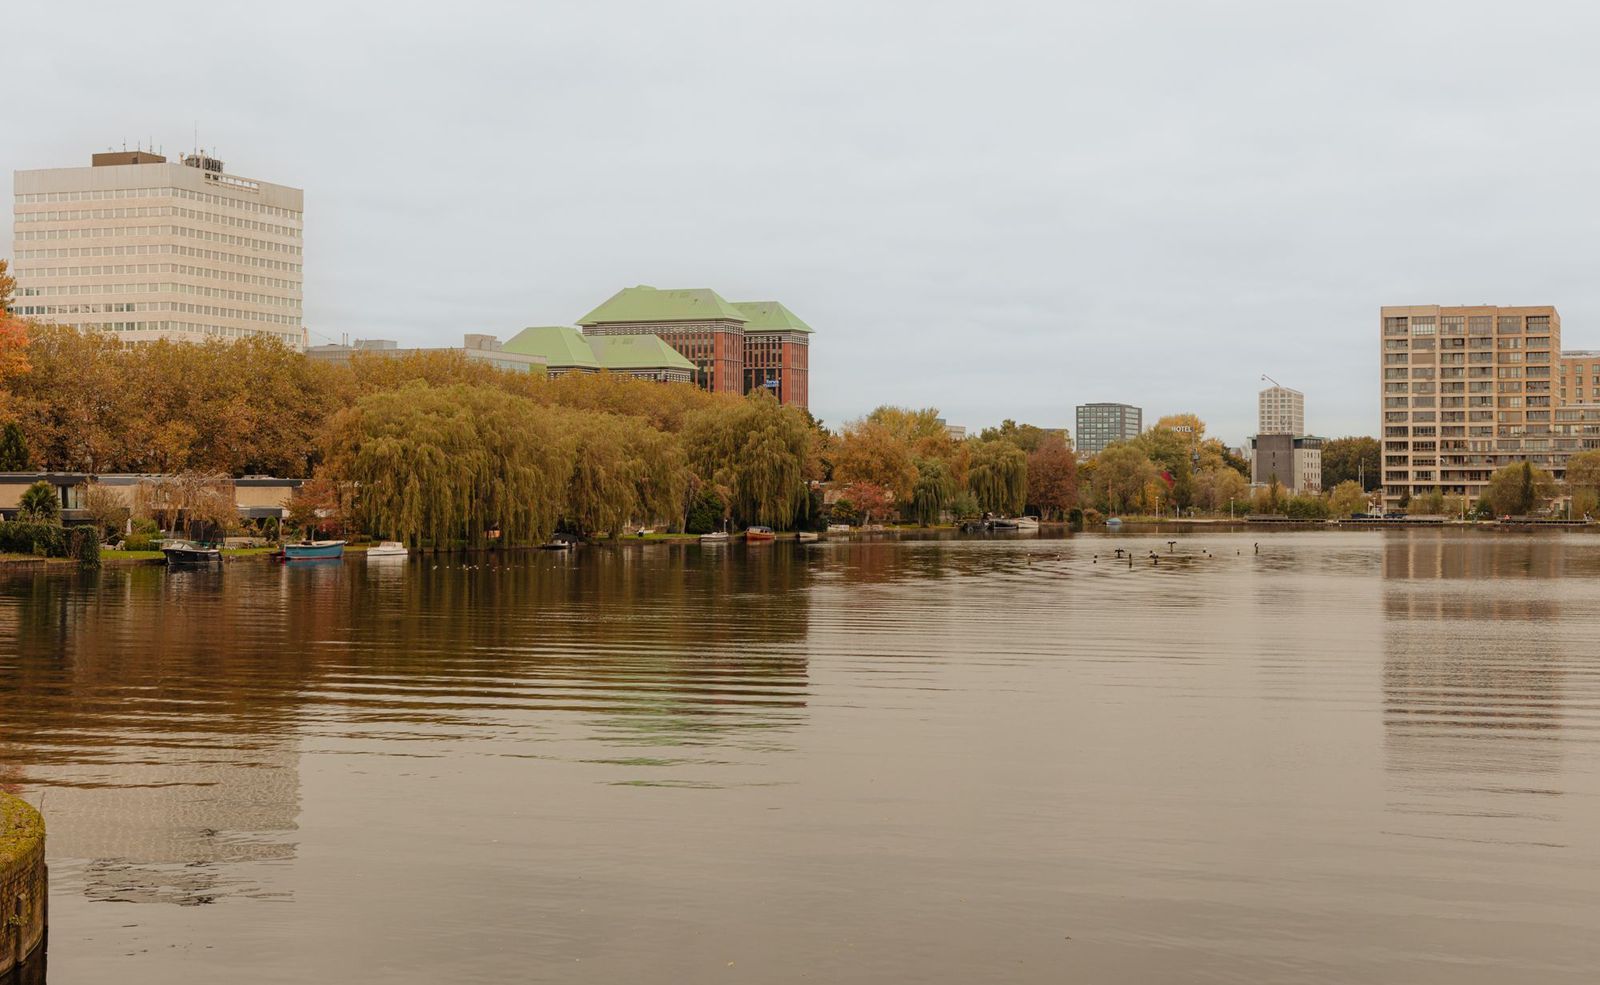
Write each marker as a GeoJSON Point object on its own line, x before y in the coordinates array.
{"type": "Point", "coordinates": [776, 351]}
{"type": "Point", "coordinates": [735, 348]}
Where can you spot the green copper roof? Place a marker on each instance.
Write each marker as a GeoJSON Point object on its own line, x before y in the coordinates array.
{"type": "Point", "coordinates": [644, 304]}
{"type": "Point", "coordinates": [770, 316]}
{"type": "Point", "coordinates": [563, 347]}
{"type": "Point", "coordinates": [629, 352]}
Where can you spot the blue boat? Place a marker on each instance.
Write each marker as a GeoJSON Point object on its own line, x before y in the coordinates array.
{"type": "Point", "coordinates": [308, 550]}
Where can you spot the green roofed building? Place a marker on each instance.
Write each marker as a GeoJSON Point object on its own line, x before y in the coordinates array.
{"type": "Point", "coordinates": [567, 350]}
{"type": "Point", "coordinates": [733, 348]}
{"type": "Point", "coordinates": [564, 349]}
{"type": "Point", "coordinates": [644, 356]}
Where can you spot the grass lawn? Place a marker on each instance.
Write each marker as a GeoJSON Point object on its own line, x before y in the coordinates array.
{"type": "Point", "coordinates": [110, 555]}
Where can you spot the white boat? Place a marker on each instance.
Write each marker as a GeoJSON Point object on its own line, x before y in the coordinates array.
{"type": "Point", "coordinates": [1115, 521]}
{"type": "Point", "coordinates": [838, 528]}
{"type": "Point", "coordinates": [389, 548]}
{"type": "Point", "coordinates": [1027, 523]}
{"type": "Point", "coordinates": [715, 537]}
{"type": "Point", "coordinates": [806, 536]}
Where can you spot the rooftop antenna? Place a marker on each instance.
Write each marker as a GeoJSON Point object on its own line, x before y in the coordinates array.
{"type": "Point", "coordinates": [1269, 379]}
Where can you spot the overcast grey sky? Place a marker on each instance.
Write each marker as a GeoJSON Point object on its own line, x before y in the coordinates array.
{"type": "Point", "coordinates": [999, 209]}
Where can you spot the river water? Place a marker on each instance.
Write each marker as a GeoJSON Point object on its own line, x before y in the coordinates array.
{"type": "Point", "coordinates": [1363, 756]}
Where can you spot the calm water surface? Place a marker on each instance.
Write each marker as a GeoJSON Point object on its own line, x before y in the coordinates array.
{"type": "Point", "coordinates": [1354, 757]}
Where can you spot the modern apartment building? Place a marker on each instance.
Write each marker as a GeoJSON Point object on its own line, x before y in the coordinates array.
{"type": "Point", "coordinates": [1102, 424]}
{"type": "Point", "coordinates": [735, 348]}
{"type": "Point", "coordinates": [1282, 411]}
{"type": "Point", "coordinates": [1468, 390]}
{"type": "Point", "coordinates": [148, 249]}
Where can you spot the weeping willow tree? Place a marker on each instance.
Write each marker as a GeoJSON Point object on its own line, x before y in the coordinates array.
{"type": "Point", "coordinates": [997, 476]}
{"type": "Point", "coordinates": [933, 491]}
{"type": "Point", "coordinates": [623, 470]}
{"type": "Point", "coordinates": [757, 450]}
{"type": "Point", "coordinates": [445, 466]}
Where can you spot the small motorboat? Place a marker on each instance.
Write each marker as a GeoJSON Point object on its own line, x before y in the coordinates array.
{"type": "Point", "coordinates": [1002, 523]}
{"type": "Point", "coordinates": [389, 548]}
{"type": "Point", "coordinates": [838, 528]}
{"type": "Point", "coordinates": [1115, 521]}
{"type": "Point", "coordinates": [715, 537]}
{"type": "Point", "coordinates": [1027, 523]}
{"type": "Point", "coordinates": [752, 534]}
{"type": "Point", "coordinates": [314, 550]}
{"type": "Point", "coordinates": [188, 552]}
{"type": "Point", "coordinates": [807, 536]}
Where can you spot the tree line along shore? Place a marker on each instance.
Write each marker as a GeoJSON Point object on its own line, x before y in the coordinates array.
{"type": "Point", "coordinates": [436, 450]}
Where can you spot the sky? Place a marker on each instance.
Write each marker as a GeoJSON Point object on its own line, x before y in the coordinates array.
{"type": "Point", "coordinates": [1001, 210]}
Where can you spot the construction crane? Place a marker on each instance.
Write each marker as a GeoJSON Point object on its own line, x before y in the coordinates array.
{"type": "Point", "coordinates": [1269, 379]}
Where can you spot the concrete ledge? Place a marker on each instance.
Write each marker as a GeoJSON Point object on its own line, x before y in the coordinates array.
{"type": "Point", "coordinates": [23, 883]}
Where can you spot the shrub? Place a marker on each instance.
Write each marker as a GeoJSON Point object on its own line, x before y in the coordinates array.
{"type": "Point", "coordinates": [706, 513]}
{"type": "Point", "coordinates": [141, 542]}
{"type": "Point", "coordinates": [84, 543]}
{"type": "Point", "coordinates": [40, 539]}
{"type": "Point", "coordinates": [40, 503]}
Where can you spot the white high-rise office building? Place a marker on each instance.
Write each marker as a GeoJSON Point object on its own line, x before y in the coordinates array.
{"type": "Point", "coordinates": [148, 249]}
{"type": "Point", "coordinates": [1283, 411]}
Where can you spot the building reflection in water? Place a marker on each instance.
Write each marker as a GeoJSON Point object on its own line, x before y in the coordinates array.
{"type": "Point", "coordinates": [1478, 635]}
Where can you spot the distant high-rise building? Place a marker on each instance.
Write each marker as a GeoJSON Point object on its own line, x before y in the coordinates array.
{"type": "Point", "coordinates": [1102, 424]}
{"type": "Point", "coordinates": [1283, 411]}
{"type": "Point", "coordinates": [147, 248]}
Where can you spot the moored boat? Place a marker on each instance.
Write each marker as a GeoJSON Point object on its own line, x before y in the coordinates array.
{"type": "Point", "coordinates": [314, 550]}
{"type": "Point", "coordinates": [759, 534]}
{"type": "Point", "coordinates": [1027, 523]}
{"type": "Point", "coordinates": [188, 552]}
{"type": "Point", "coordinates": [715, 537]}
{"type": "Point", "coordinates": [838, 528]}
{"type": "Point", "coordinates": [389, 548]}
{"type": "Point", "coordinates": [806, 536]}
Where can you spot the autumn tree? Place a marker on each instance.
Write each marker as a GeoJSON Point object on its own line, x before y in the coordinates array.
{"type": "Point", "coordinates": [934, 490]}
{"type": "Point", "coordinates": [1122, 473]}
{"type": "Point", "coordinates": [997, 476]}
{"type": "Point", "coordinates": [103, 507]}
{"type": "Point", "coordinates": [317, 507]}
{"type": "Point", "coordinates": [1520, 488]}
{"type": "Point", "coordinates": [1428, 503]}
{"type": "Point", "coordinates": [445, 465]}
{"type": "Point", "coordinates": [874, 452]}
{"type": "Point", "coordinates": [921, 430]}
{"type": "Point", "coordinates": [13, 448]}
{"type": "Point", "coordinates": [1583, 482]}
{"type": "Point", "coordinates": [757, 449]}
{"type": "Point", "coordinates": [8, 286]}
{"type": "Point", "coordinates": [1350, 459]}
{"type": "Point", "coordinates": [1347, 498]}
{"type": "Point", "coordinates": [870, 499]}
{"type": "Point", "coordinates": [1215, 488]}
{"type": "Point", "coordinates": [1025, 436]}
{"type": "Point", "coordinates": [1053, 478]}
